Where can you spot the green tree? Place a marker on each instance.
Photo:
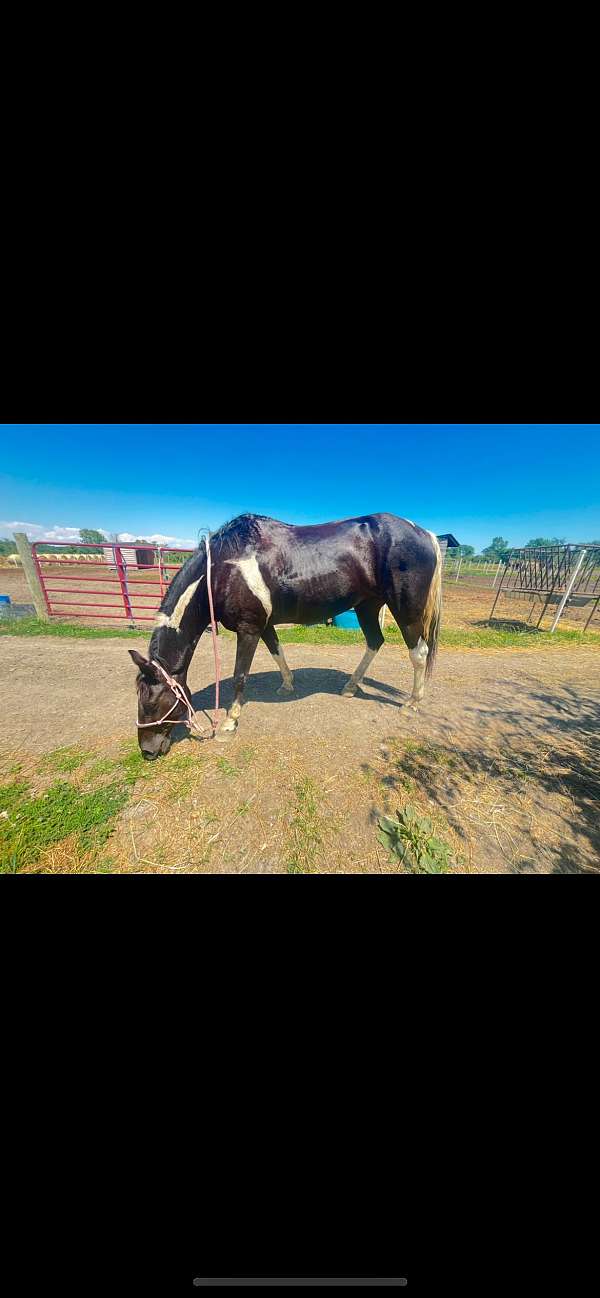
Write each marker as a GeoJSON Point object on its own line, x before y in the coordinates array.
{"type": "Point", "coordinates": [93, 537]}
{"type": "Point", "coordinates": [463, 551]}
{"type": "Point", "coordinates": [544, 540]}
{"type": "Point", "coordinates": [498, 549]}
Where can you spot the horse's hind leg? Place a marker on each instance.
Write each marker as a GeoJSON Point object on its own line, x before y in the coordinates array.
{"type": "Point", "coordinates": [412, 633]}
{"type": "Point", "coordinates": [246, 649]}
{"type": "Point", "coordinates": [368, 616]}
{"type": "Point", "coordinates": [271, 640]}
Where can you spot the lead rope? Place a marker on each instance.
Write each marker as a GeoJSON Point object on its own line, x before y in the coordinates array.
{"type": "Point", "coordinates": [213, 627]}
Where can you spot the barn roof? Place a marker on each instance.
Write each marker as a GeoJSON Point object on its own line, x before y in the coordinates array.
{"type": "Point", "coordinates": [450, 540]}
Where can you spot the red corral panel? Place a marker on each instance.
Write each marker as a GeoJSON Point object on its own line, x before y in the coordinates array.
{"type": "Point", "coordinates": [108, 577]}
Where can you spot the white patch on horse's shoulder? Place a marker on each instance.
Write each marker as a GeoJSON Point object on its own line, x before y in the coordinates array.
{"type": "Point", "coordinates": [254, 580]}
{"type": "Point", "coordinates": [174, 619]}
{"type": "Point", "coordinates": [409, 520]}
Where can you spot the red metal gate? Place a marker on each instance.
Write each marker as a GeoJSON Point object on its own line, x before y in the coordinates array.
{"type": "Point", "coordinates": [130, 591]}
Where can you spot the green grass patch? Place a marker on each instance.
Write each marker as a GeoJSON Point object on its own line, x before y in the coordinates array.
{"type": "Point", "coordinates": [180, 773]}
{"type": "Point", "coordinates": [514, 638]}
{"type": "Point", "coordinates": [452, 638]}
{"type": "Point", "coordinates": [131, 764]}
{"type": "Point", "coordinates": [37, 626]}
{"type": "Point", "coordinates": [64, 760]}
{"type": "Point", "coordinates": [243, 759]}
{"type": "Point", "coordinates": [460, 638]}
{"type": "Point", "coordinates": [30, 824]}
{"type": "Point", "coordinates": [102, 766]}
{"type": "Point", "coordinates": [306, 828]}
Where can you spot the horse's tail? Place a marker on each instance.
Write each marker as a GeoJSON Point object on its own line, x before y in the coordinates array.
{"type": "Point", "coordinates": [432, 613]}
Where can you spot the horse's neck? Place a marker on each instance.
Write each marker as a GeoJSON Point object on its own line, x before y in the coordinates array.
{"type": "Point", "coordinates": [175, 648]}
{"type": "Point", "coordinates": [182, 621]}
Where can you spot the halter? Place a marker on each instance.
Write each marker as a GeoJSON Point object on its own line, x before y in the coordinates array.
{"type": "Point", "coordinates": [179, 692]}
{"type": "Point", "coordinates": [180, 697]}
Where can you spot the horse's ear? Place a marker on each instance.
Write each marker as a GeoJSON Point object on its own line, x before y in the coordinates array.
{"type": "Point", "coordinates": [146, 668]}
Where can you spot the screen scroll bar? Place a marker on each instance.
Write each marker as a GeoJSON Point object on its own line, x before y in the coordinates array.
{"type": "Point", "coordinates": [300, 1282]}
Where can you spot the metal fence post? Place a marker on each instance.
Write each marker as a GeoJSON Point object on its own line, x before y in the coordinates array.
{"type": "Point", "coordinates": [592, 613]}
{"type": "Point", "coordinates": [498, 591]}
{"type": "Point", "coordinates": [568, 591]}
{"type": "Point", "coordinates": [31, 571]}
{"type": "Point", "coordinates": [120, 565]}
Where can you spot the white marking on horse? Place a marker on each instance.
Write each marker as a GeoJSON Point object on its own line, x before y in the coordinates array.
{"type": "Point", "coordinates": [254, 580]}
{"type": "Point", "coordinates": [409, 520]}
{"type": "Point", "coordinates": [418, 657]}
{"type": "Point", "coordinates": [174, 619]}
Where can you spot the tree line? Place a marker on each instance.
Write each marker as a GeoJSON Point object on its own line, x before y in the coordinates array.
{"type": "Point", "coordinates": [499, 548]}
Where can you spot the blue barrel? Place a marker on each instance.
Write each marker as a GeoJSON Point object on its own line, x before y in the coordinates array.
{"type": "Point", "coordinates": [4, 599]}
{"type": "Point", "coordinates": [348, 621]}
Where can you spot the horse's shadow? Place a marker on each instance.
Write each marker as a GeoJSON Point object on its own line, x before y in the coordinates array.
{"type": "Point", "coordinates": [262, 687]}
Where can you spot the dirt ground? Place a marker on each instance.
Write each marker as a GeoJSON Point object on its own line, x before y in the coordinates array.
{"type": "Point", "coordinates": [504, 755]}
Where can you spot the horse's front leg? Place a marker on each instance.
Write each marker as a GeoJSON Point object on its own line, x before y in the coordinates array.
{"type": "Point", "coordinates": [246, 649]}
{"type": "Point", "coordinates": [271, 639]}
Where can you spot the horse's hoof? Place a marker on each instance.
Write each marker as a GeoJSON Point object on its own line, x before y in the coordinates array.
{"type": "Point", "coordinates": [348, 691]}
{"type": "Point", "coordinates": [226, 731]}
{"type": "Point", "coordinates": [286, 689]}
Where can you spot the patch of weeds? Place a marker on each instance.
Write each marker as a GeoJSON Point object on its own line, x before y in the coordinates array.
{"type": "Point", "coordinates": [102, 766]}
{"type": "Point", "coordinates": [306, 828]}
{"type": "Point", "coordinates": [412, 840]}
{"type": "Point", "coordinates": [64, 760]}
{"type": "Point", "coordinates": [34, 823]}
{"type": "Point", "coordinates": [242, 809]}
{"type": "Point", "coordinates": [405, 782]}
{"type": "Point", "coordinates": [225, 767]}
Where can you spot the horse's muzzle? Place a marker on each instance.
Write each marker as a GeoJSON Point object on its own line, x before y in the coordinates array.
{"type": "Point", "coordinates": [157, 750]}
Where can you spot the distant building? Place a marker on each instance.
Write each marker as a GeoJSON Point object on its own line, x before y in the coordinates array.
{"type": "Point", "coordinates": [447, 541]}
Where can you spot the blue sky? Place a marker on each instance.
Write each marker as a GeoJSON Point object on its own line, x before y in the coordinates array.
{"type": "Point", "coordinates": [167, 480]}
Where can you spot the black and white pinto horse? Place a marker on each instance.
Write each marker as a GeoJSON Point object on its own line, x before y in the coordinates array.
{"type": "Point", "coordinates": [265, 572]}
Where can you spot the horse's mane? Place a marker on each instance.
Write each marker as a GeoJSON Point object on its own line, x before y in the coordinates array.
{"type": "Point", "coordinates": [233, 536]}
{"type": "Point", "coordinates": [230, 539]}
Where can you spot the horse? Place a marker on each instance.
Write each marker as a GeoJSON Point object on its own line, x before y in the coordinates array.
{"type": "Point", "coordinates": [265, 572]}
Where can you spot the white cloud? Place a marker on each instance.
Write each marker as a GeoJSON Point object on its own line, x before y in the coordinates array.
{"type": "Point", "coordinates": [157, 538]}
{"type": "Point", "coordinates": [37, 532]}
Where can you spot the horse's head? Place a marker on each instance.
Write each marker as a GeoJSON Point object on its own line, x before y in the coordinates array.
{"type": "Point", "coordinates": [155, 700]}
